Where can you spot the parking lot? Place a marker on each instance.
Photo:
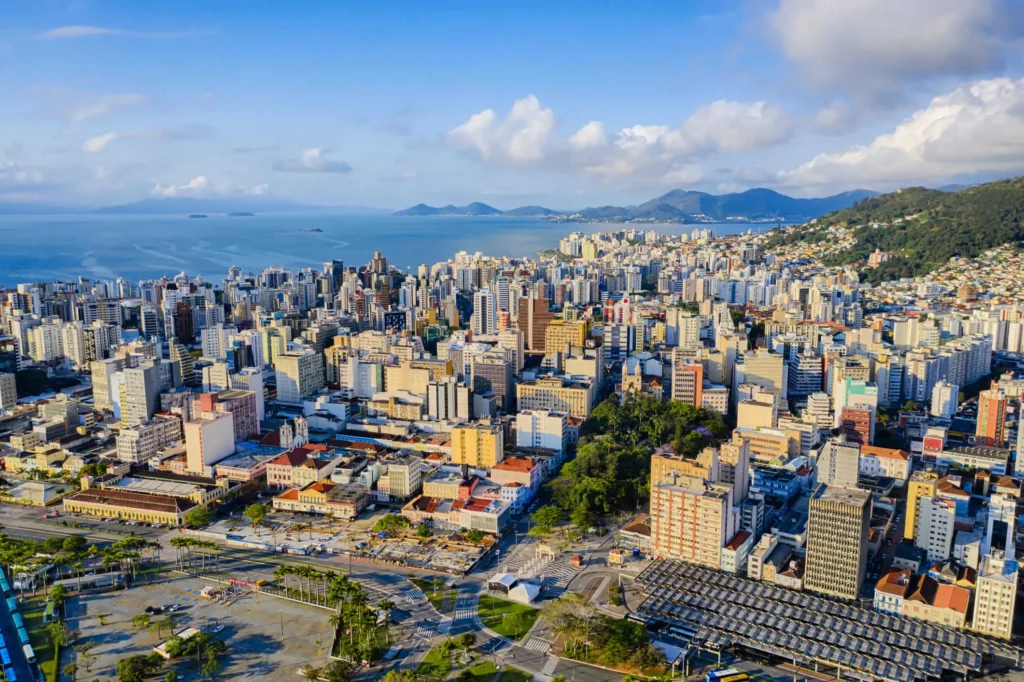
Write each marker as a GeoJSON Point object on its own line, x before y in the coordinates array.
{"type": "Point", "coordinates": [267, 638]}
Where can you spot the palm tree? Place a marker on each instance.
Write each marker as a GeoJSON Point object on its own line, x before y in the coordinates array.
{"type": "Point", "coordinates": [387, 606]}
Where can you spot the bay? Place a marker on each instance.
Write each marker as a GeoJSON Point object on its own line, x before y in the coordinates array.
{"type": "Point", "coordinates": [44, 248]}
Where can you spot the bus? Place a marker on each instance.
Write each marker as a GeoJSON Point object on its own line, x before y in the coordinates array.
{"type": "Point", "coordinates": [11, 677]}
{"type": "Point", "coordinates": [23, 636]}
{"type": "Point", "coordinates": [727, 675]}
{"type": "Point", "coordinates": [5, 586]}
{"type": "Point", "coordinates": [18, 621]}
{"type": "Point", "coordinates": [12, 605]}
{"type": "Point", "coordinates": [30, 655]}
{"type": "Point", "coordinates": [5, 657]}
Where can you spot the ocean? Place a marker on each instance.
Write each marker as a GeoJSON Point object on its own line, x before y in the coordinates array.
{"type": "Point", "coordinates": [44, 248]}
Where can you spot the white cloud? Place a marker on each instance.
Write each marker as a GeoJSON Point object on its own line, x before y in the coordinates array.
{"type": "Point", "coordinates": [875, 47]}
{"type": "Point", "coordinates": [312, 161]}
{"type": "Point", "coordinates": [13, 174]}
{"type": "Point", "coordinates": [77, 106]}
{"type": "Point", "coordinates": [196, 186]}
{"type": "Point", "coordinates": [66, 32]}
{"type": "Point", "coordinates": [977, 128]}
{"type": "Point", "coordinates": [835, 118]}
{"type": "Point", "coordinates": [97, 144]}
{"type": "Point", "coordinates": [526, 137]}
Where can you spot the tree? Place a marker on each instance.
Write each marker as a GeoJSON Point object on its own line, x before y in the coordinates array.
{"type": "Point", "coordinates": [583, 518]}
{"type": "Point", "coordinates": [54, 544]}
{"type": "Point", "coordinates": [74, 544]}
{"type": "Point", "coordinates": [58, 594]}
{"type": "Point", "coordinates": [467, 640]}
{"type": "Point", "coordinates": [911, 406]}
{"type": "Point", "coordinates": [136, 668]}
{"type": "Point", "coordinates": [199, 517]}
{"type": "Point", "coordinates": [141, 620]}
{"type": "Point", "coordinates": [257, 514]}
{"type": "Point", "coordinates": [211, 665]}
{"type": "Point", "coordinates": [391, 524]}
{"type": "Point", "coordinates": [58, 633]}
{"type": "Point", "coordinates": [475, 536]}
{"type": "Point", "coordinates": [515, 622]}
{"type": "Point", "coordinates": [405, 676]}
{"type": "Point", "coordinates": [547, 516]}
{"type": "Point", "coordinates": [68, 670]}
{"type": "Point", "coordinates": [171, 676]}
{"type": "Point", "coordinates": [423, 531]}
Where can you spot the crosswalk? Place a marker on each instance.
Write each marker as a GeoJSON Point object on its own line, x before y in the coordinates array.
{"type": "Point", "coordinates": [414, 594]}
{"type": "Point", "coordinates": [445, 626]}
{"type": "Point", "coordinates": [537, 644]}
{"type": "Point", "coordinates": [550, 663]}
{"type": "Point", "coordinates": [424, 632]}
{"type": "Point", "coordinates": [464, 614]}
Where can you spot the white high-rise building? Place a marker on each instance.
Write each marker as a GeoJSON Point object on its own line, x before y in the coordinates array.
{"type": "Point", "coordinates": [995, 596]}
{"type": "Point", "coordinates": [73, 341]}
{"type": "Point", "coordinates": [944, 399]}
{"type": "Point", "coordinates": [936, 526]}
{"type": "Point", "coordinates": [542, 429]}
{"type": "Point", "coordinates": [485, 312]}
{"type": "Point", "coordinates": [448, 400]}
{"type": "Point", "coordinates": [45, 343]}
{"type": "Point", "coordinates": [300, 374]}
{"type": "Point", "coordinates": [216, 341]}
{"type": "Point", "coordinates": [251, 379]}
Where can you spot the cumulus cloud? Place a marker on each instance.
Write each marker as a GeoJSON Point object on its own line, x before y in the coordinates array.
{"type": "Point", "coordinates": [835, 118]}
{"type": "Point", "coordinates": [67, 32]}
{"type": "Point", "coordinates": [978, 128]}
{"type": "Point", "coordinates": [200, 186]}
{"type": "Point", "coordinates": [526, 137]}
{"type": "Point", "coordinates": [312, 161]}
{"type": "Point", "coordinates": [875, 47]}
{"type": "Point", "coordinates": [196, 186]}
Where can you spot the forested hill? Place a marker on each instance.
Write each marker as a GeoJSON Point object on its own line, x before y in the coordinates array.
{"type": "Point", "coordinates": [922, 228]}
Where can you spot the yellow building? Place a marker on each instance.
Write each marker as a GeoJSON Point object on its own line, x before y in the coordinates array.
{"type": "Point", "coordinates": [478, 445]}
{"type": "Point", "coordinates": [921, 484]}
{"type": "Point", "coordinates": [767, 445]}
{"type": "Point", "coordinates": [555, 394]}
{"type": "Point", "coordinates": [124, 504]}
{"type": "Point", "coordinates": [665, 464]}
{"type": "Point", "coordinates": [559, 333]}
{"type": "Point", "coordinates": [692, 524]}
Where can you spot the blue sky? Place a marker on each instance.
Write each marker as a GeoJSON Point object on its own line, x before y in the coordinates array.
{"type": "Point", "coordinates": [564, 104]}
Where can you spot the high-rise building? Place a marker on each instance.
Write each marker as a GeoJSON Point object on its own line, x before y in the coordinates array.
{"type": "Point", "coordinates": [8, 391]}
{"type": "Point", "coordinates": [141, 390]}
{"type": "Point", "coordinates": [923, 485]}
{"type": "Point", "coordinates": [541, 429]}
{"type": "Point", "coordinates": [687, 379]}
{"type": "Point", "coordinates": [300, 374]}
{"type": "Point", "coordinates": [765, 369]}
{"type": "Point", "coordinates": [936, 525]}
{"type": "Point", "coordinates": [839, 463]}
{"type": "Point", "coordinates": [184, 322]}
{"type": "Point", "coordinates": [837, 539]}
{"type": "Point", "coordinates": [991, 417]}
{"type": "Point", "coordinates": [534, 318]}
{"type": "Point", "coordinates": [178, 353]}
{"type": "Point", "coordinates": [858, 424]}
{"type": "Point", "coordinates": [448, 399]}
{"type": "Point", "coordinates": [556, 394]}
{"type": "Point", "coordinates": [103, 386]}
{"type": "Point", "coordinates": [691, 523]}
{"type": "Point", "coordinates": [494, 373]}
{"type": "Point", "coordinates": [208, 440]}
{"type": "Point", "coordinates": [995, 595]}
{"type": "Point", "coordinates": [485, 312]}
{"type": "Point", "coordinates": [944, 399]}
{"type": "Point", "coordinates": [478, 445]}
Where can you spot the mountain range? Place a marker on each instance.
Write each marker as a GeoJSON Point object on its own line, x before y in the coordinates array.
{"type": "Point", "coordinates": [683, 206]}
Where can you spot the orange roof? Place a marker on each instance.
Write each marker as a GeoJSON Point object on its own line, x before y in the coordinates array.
{"type": "Point", "coordinates": [952, 597]}
{"type": "Point", "coordinates": [520, 464]}
{"type": "Point", "coordinates": [893, 582]}
{"type": "Point", "coordinates": [884, 453]}
{"type": "Point", "coordinates": [738, 540]}
{"type": "Point", "coordinates": [290, 494]}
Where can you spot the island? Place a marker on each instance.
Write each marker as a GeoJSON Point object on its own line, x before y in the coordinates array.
{"type": "Point", "coordinates": [197, 215]}
{"type": "Point", "coordinates": [241, 214]}
{"type": "Point", "coordinates": [314, 229]}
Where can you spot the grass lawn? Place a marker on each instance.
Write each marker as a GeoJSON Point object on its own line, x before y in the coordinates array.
{"type": "Point", "coordinates": [436, 598]}
{"type": "Point", "coordinates": [514, 675]}
{"type": "Point", "coordinates": [482, 672]}
{"type": "Point", "coordinates": [435, 665]}
{"type": "Point", "coordinates": [46, 655]}
{"type": "Point", "coordinates": [495, 612]}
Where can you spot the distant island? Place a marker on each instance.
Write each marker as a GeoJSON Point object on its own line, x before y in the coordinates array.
{"type": "Point", "coordinates": [197, 215]}
{"type": "Point", "coordinates": [677, 206]}
{"type": "Point", "coordinates": [313, 229]}
{"type": "Point", "coordinates": [241, 214]}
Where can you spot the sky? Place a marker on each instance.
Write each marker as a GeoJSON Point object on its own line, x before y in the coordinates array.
{"type": "Point", "coordinates": [564, 104]}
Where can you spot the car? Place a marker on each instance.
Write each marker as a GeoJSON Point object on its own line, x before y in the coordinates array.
{"type": "Point", "coordinates": [149, 609]}
{"type": "Point", "coordinates": [165, 606]}
{"type": "Point", "coordinates": [218, 628]}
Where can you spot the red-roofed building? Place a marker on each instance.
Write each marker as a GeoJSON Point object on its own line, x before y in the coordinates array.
{"type": "Point", "coordinates": [301, 466]}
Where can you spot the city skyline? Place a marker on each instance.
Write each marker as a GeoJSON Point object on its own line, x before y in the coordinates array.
{"type": "Point", "coordinates": [568, 106]}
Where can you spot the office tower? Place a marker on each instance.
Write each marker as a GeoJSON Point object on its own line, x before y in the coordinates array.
{"type": "Point", "coordinates": [485, 312]}
{"type": "Point", "coordinates": [216, 341]}
{"type": "Point", "coordinates": [837, 535]}
{"type": "Point", "coordinates": [818, 410]}
{"type": "Point", "coordinates": [512, 342]}
{"type": "Point", "coordinates": [149, 322]}
{"type": "Point", "coordinates": [300, 374]}
{"type": "Point", "coordinates": [478, 445]}
{"type": "Point", "coordinates": [334, 272]}
{"type": "Point", "coordinates": [378, 264]}
{"type": "Point", "coordinates": [839, 463]}
{"type": "Point", "coordinates": [542, 429]}
{"type": "Point", "coordinates": [495, 374]}
{"type": "Point", "coordinates": [687, 379]}
{"type": "Point", "coordinates": [689, 522]}
{"type": "Point", "coordinates": [143, 442]}
{"type": "Point", "coordinates": [765, 369]}
{"type": "Point", "coordinates": [991, 417]}
{"type": "Point", "coordinates": [208, 440]}
{"type": "Point", "coordinates": [560, 334]}
{"type": "Point", "coordinates": [533, 321]}
{"type": "Point", "coordinates": [216, 377]}
{"type": "Point", "coordinates": [944, 399]}
{"type": "Point", "coordinates": [100, 340]}
{"type": "Point", "coordinates": [251, 379]}
{"type": "Point", "coordinates": [8, 391]}
{"type": "Point", "coordinates": [73, 342]}
{"type": "Point", "coordinates": [177, 352]}
{"type": "Point", "coordinates": [936, 526]}
{"type": "Point", "coordinates": [449, 400]}
{"type": "Point", "coordinates": [683, 328]}
{"type": "Point", "coordinates": [103, 385]}
{"type": "Point", "coordinates": [141, 391]}
{"type": "Point", "coordinates": [556, 394]}
{"type": "Point", "coordinates": [10, 356]}
{"type": "Point", "coordinates": [734, 467]}
{"type": "Point", "coordinates": [805, 375]}
{"type": "Point", "coordinates": [44, 341]}
{"type": "Point", "coordinates": [995, 596]}
{"type": "Point", "coordinates": [857, 424]}
{"type": "Point", "coordinates": [183, 322]}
